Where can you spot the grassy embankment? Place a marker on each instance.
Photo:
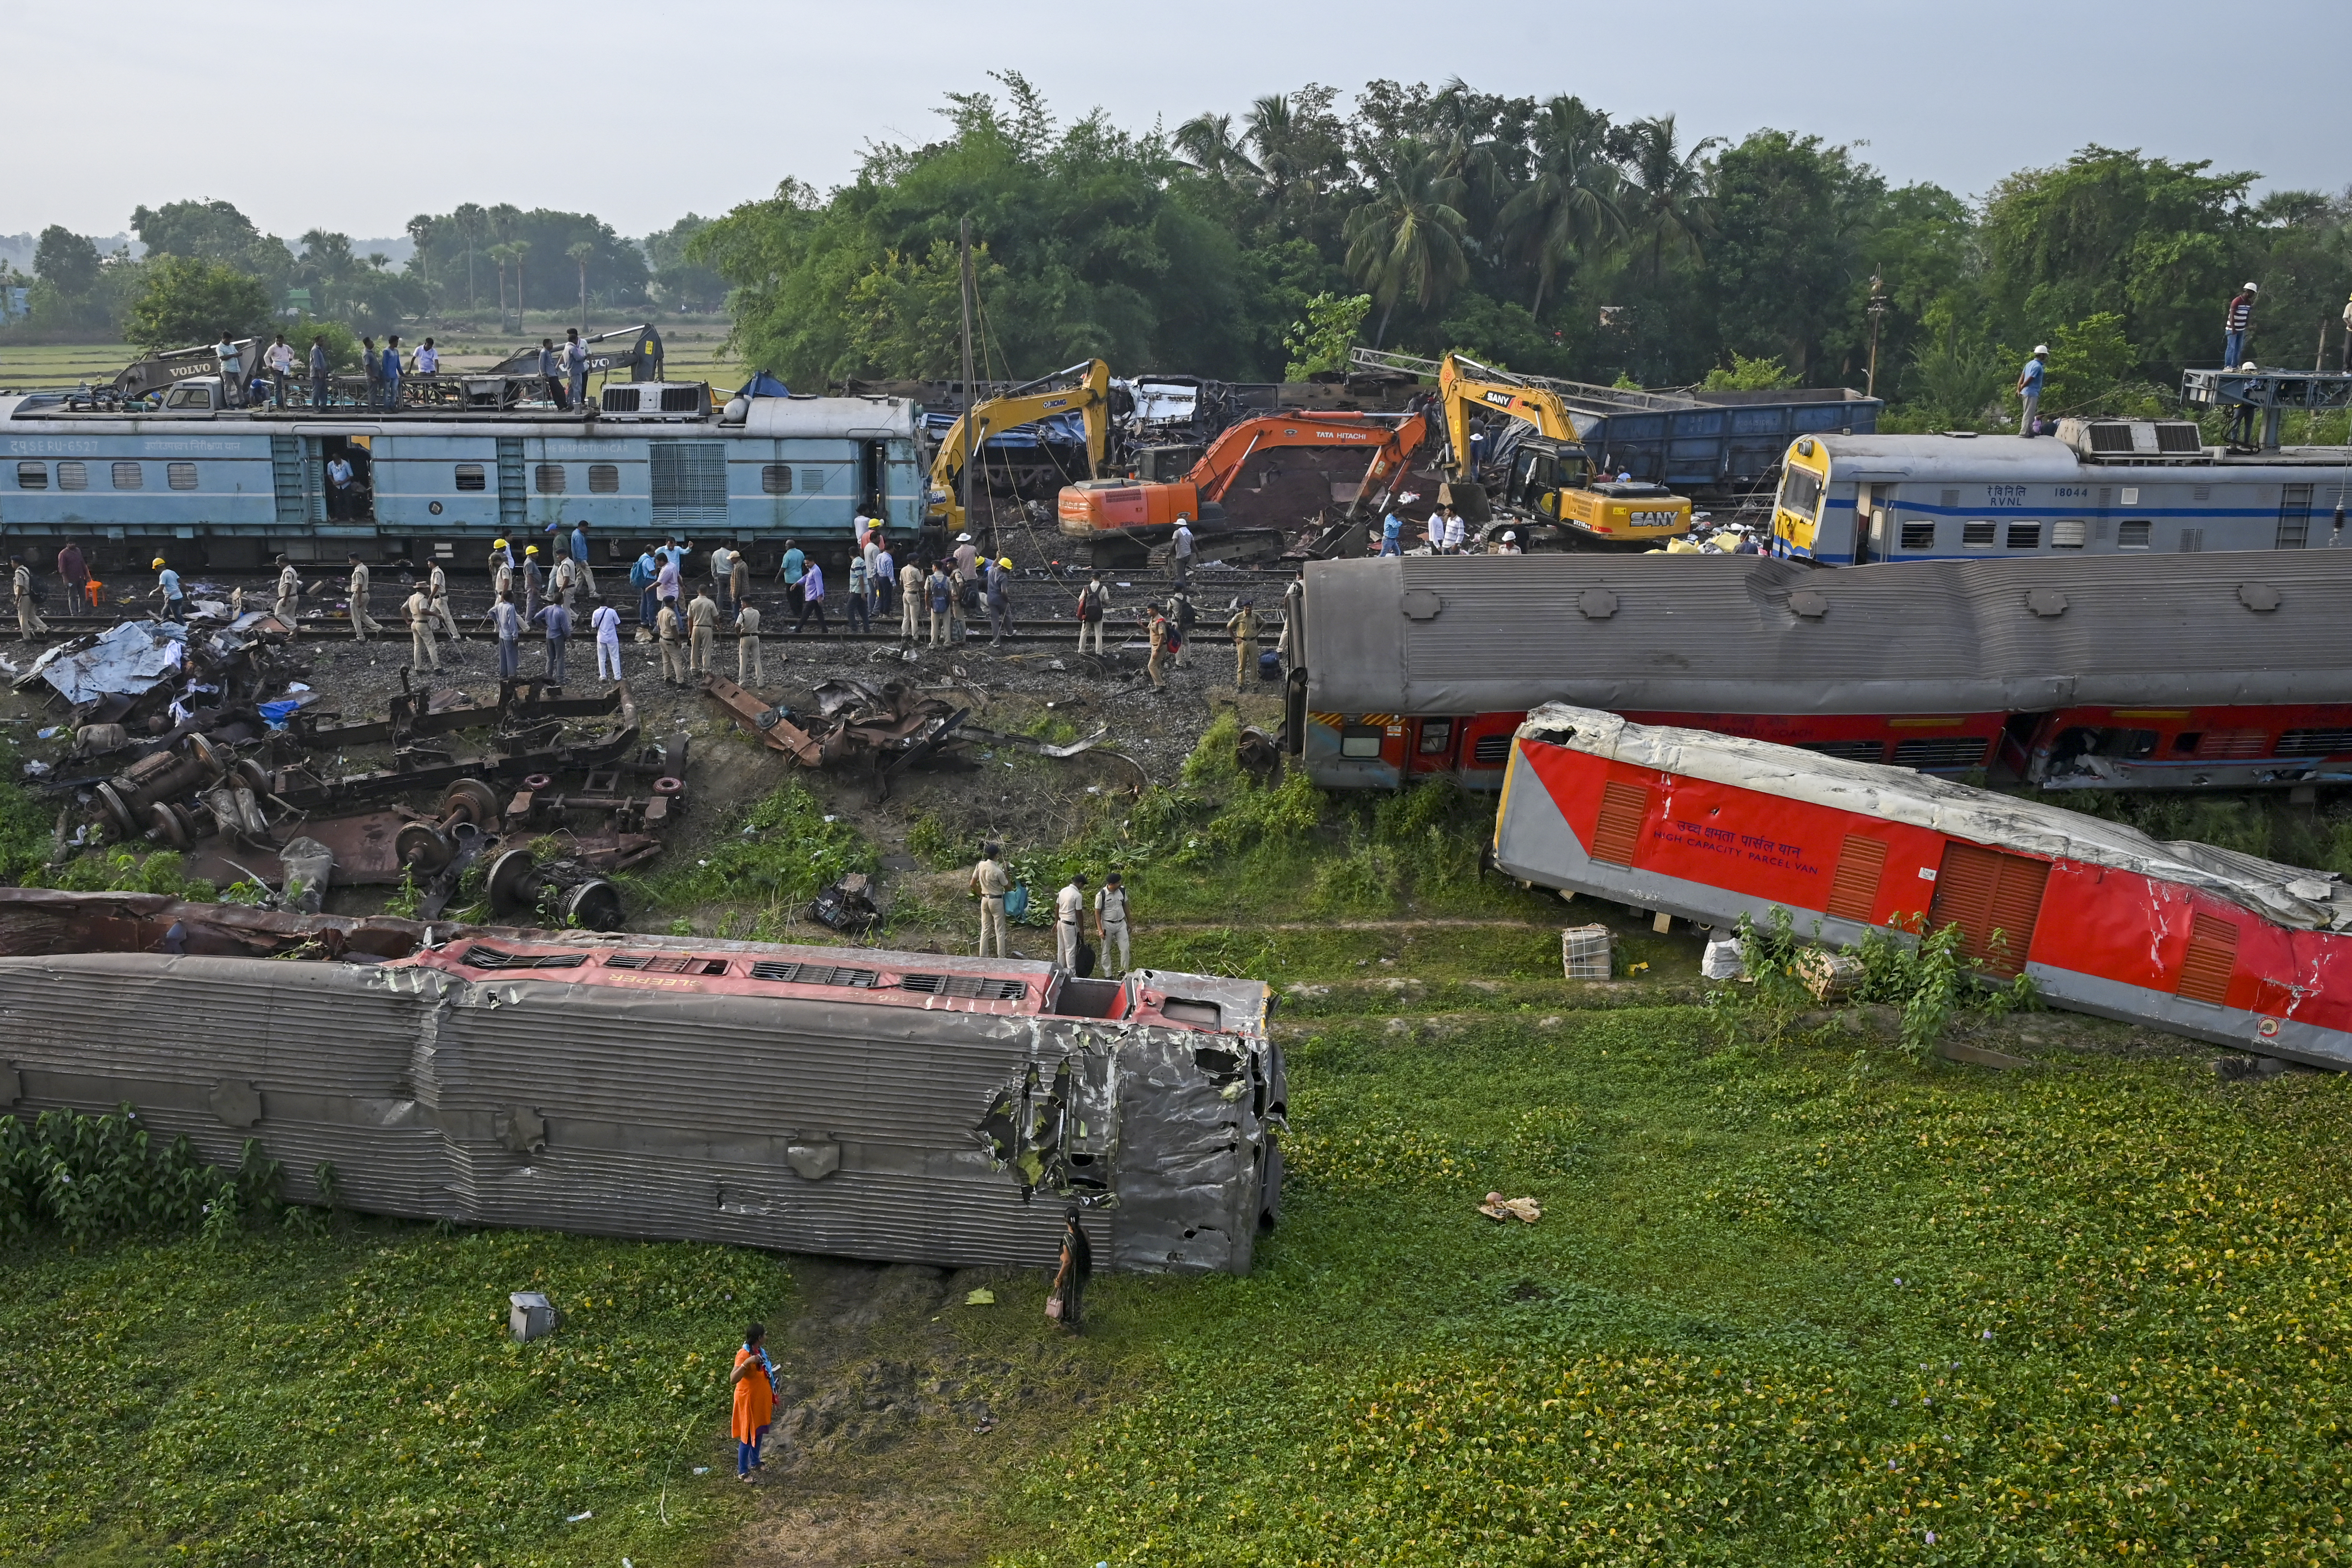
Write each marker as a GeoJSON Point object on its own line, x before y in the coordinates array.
{"type": "Point", "coordinates": [1790, 1300]}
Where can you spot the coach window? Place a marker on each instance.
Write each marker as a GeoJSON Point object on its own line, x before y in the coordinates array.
{"type": "Point", "coordinates": [776, 479]}
{"type": "Point", "coordinates": [32, 476]}
{"type": "Point", "coordinates": [2132, 533]}
{"type": "Point", "coordinates": [470, 476]}
{"type": "Point", "coordinates": [1436, 735]}
{"type": "Point", "coordinates": [1978, 535]}
{"type": "Point", "coordinates": [129, 477]}
{"type": "Point", "coordinates": [73, 476]}
{"type": "Point", "coordinates": [1919, 535]}
{"type": "Point", "coordinates": [180, 475]}
{"type": "Point", "coordinates": [2025, 536]}
{"type": "Point", "coordinates": [549, 478]}
{"type": "Point", "coordinates": [2066, 533]}
{"type": "Point", "coordinates": [604, 479]}
{"type": "Point", "coordinates": [1360, 740]}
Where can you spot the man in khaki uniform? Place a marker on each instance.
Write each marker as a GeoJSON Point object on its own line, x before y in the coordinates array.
{"type": "Point", "coordinates": [1243, 626]}
{"type": "Point", "coordinates": [738, 578]}
{"type": "Point", "coordinates": [565, 582]}
{"type": "Point", "coordinates": [910, 599]}
{"type": "Point", "coordinates": [289, 595]}
{"type": "Point", "coordinates": [1159, 649]}
{"type": "Point", "coordinates": [1111, 923]}
{"type": "Point", "coordinates": [702, 625]}
{"type": "Point", "coordinates": [673, 651]}
{"type": "Point", "coordinates": [750, 671]}
{"type": "Point", "coordinates": [1069, 921]}
{"type": "Point", "coordinates": [419, 609]}
{"type": "Point", "coordinates": [361, 621]}
{"type": "Point", "coordinates": [28, 619]}
{"type": "Point", "coordinates": [991, 882]}
{"type": "Point", "coordinates": [437, 589]}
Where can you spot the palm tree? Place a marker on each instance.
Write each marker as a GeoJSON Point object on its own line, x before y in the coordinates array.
{"type": "Point", "coordinates": [1207, 142]}
{"type": "Point", "coordinates": [474, 225]}
{"type": "Point", "coordinates": [1671, 209]}
{"type": "Point", "coordinates": [1407, 238]}
{"type": "Point", "coordinates": [517, 249]}
{"type": "Point", "coordinates": [420, 233]}
{"type": "Point", "coordinates": [580, 251]}
{"type": "Point", "coordinates": [500, 254]}
{"type": "Point", "coordinates": [1569, 210]}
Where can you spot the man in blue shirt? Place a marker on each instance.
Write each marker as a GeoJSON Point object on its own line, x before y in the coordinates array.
{"type": "Point", "coordinates": [319, 394]}
{"type": "Point", "coordinates": [641, 578]}
{"type": "Point", "coordinates": [1392, 535]}
{"type": "Point", "coordinates": [795, 567]}
{"type": "Point", "coordinates": [551, 365]}
{"type": "Point", "coordinates": [558, 622]}
{"type": "Point", "coordinates": [508, 620]}
{"type": "Point", "coordinates": [176, 600]}
{"type": "Point", "coordinates": [391, 373]}
{"type": "Point", "coordinates": [2029, 388]}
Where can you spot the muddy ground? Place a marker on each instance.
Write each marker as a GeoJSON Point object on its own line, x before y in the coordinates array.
{"type": "Point", "coordinates": [1033, 681]}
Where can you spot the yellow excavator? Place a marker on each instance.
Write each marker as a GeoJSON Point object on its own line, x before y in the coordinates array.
{"type": "Point", "coordinates": [1550, 479]}
{"type": "Point", "coordinates": [1083, 390]}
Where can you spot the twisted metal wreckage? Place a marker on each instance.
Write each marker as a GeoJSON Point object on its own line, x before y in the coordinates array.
{"type": "Point", "coordinates": [201, 742]}
{"type": "Point", "coordinates": [894, 1106]}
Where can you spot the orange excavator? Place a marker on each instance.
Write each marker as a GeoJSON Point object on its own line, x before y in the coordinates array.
{"type": "Point", "coordinates": [1108, 512]}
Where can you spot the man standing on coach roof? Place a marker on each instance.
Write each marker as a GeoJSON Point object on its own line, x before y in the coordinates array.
{"type": "Point", "coordinates": [391, 373]}
{"type": "Point", "coordinates": [2237, 325]}
{"type": "Point", "coordinates": [2029, 388]}
{"type": "Point", "coordinates": [319, 394]}
{"type": "Point", "coordinates": [575, 365]}
{"type": "Point", "coordinates": [550, 368]}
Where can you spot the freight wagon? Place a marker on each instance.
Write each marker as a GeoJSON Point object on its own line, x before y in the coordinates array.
{"type": "Point", "coordinates": [2104, 487]}
{"type": "Point", "coordinates": [2097, 671]}
{"type": "Point", "coordinates": [2186, 938]}
{"type": "Point", "coordinates": [902, 1107]}
{"type": "Point", "coordinates": [229, 489]}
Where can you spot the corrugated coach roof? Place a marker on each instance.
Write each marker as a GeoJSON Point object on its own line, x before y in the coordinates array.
{"type": "Point", "coordinates": [1439, 634]}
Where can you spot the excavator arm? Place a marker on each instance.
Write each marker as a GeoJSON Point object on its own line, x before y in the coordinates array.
{"type": "Point", "coordinates": [1082, 388]}
{"type": "Point", "coordinates": [1223, 463]}
{"type": "Point", "coordinates": [1464, 385]}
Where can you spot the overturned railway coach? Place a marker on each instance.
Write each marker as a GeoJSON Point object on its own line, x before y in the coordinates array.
{"type": "Point", "coordinates": [2112, 672]}
{"type": "Point", "coordinates": [2188, 937]}
{"type": "Point", "coordinates": [228, 489]}
{"type": "Point", "coordinates": [2106, 487]}
{"type": "Point", "coordinates": [895, 1106]}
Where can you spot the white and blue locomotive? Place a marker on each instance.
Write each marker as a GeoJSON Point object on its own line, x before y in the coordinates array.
{"type": "Point", "coordinates": [229, 489]}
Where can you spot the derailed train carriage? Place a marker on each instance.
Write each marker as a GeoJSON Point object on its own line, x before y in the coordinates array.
{"type": "Point", "coordinates": [894, 1106]}
{"type": "Point", "coordinates": [2201, 941]}
{"type": "Point", "coordinates": [2223, 672]}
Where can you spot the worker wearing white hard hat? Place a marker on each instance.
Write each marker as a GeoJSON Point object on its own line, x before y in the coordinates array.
{"type": "Point", "coordinates": [2239, 323]}
{"type": "Point", "coordinates": [1510, 545]}
{"type": "Point", "coordinates": [2029, 388]}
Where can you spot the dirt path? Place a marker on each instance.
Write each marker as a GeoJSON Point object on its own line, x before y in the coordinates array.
{"type": "Point", "coordinates": [902, 1407]}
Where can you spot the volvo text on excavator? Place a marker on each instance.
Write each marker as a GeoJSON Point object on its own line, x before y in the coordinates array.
{"type": "Point", "coordinates": [1132, 515]}
{"type": "Point", "coordinates": [1083, 389]}
{"type": "Point", "coordinates": [1548, 487]}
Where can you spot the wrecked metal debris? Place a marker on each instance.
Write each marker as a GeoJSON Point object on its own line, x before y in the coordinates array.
{"type": "Point", "coordinates": [903, 1107]}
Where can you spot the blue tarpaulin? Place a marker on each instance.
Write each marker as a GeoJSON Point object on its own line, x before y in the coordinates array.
{"type": "Point", "coordinates": [763, 384]}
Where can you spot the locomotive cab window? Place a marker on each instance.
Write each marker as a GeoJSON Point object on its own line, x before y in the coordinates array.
{"type": "Point", "coordinates": [1800, 492]}
{"type": "Point", "coordinates": [1360, 740]}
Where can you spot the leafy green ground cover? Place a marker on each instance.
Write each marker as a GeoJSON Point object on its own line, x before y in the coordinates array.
{"type": "Point", "coordinates": [1791, 1304]}
{"type": "Point", "coordinates": [304, 1396]}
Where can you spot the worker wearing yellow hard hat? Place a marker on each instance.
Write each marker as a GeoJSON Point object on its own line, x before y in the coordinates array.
{"type": "Point", "coordinates": [157, 563]}
{"type": "Point", "coordinates": [530, 550]}
{"type": "Point", "coordinates": [497, 544]}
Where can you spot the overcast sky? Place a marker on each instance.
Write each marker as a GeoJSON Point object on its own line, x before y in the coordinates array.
{"type": "Point", "coordinates": [356, 117]}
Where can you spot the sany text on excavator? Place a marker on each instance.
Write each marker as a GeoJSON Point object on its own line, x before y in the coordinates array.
{"type": "Point", "coordinates": [1550, 479]}
{"type": "Point", "coordinates": [1083, 389]}
{"type": "Point", "coordinates": [1102, 510]}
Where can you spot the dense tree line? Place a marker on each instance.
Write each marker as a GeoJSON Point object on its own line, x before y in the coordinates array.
{"type": "Point", "coordinates": [208, 269]}
{"type": "Point", "coordinates": [1539, 234]}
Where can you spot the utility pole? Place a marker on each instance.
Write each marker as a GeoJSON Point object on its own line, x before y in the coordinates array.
{"type": "Point", "coordinates": [971, 395]}
{"type": "Point", "coordinates": [1877, 309]}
